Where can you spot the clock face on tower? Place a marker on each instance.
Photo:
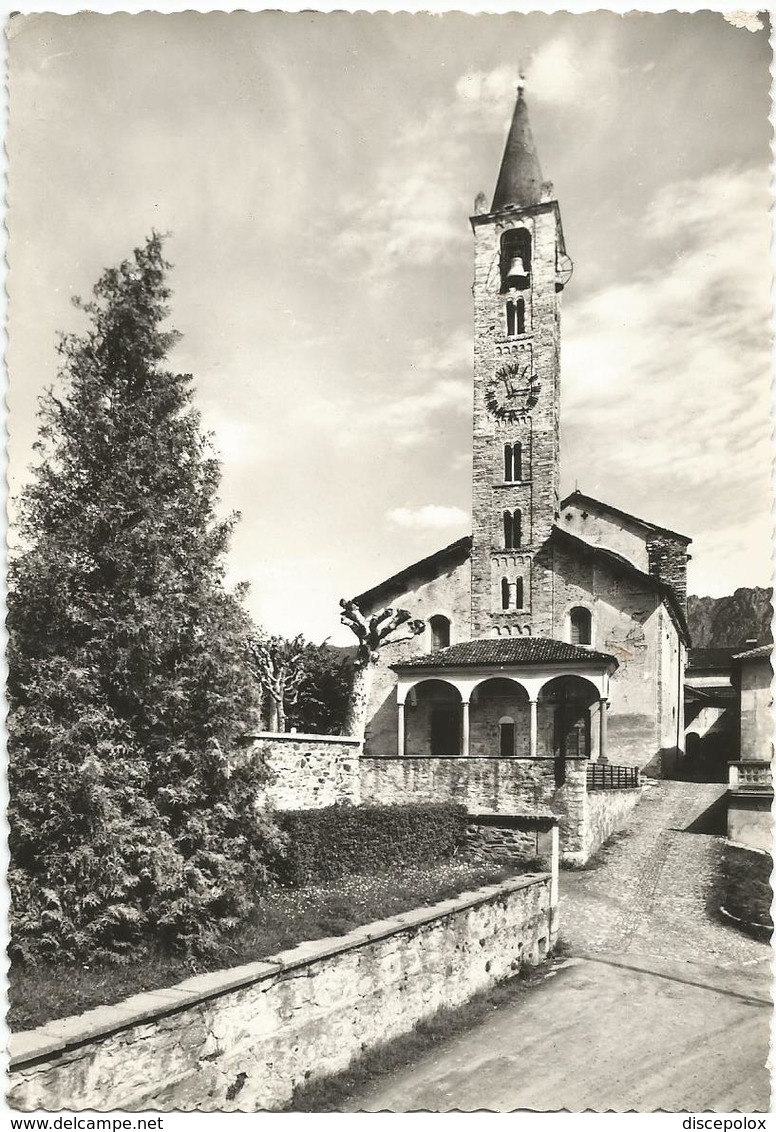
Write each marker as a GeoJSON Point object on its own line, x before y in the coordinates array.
{"type": "Point", "coordinates": [512, 390]}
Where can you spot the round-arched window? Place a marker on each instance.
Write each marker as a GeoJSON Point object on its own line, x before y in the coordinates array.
{"type": "Point", "coordinates": [581, 626]}
{"type": "Point", "coordinates": [440, 631]}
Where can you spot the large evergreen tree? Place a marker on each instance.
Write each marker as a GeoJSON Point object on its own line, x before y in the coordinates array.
{"type": "Point", "coordinates": [132, 812]}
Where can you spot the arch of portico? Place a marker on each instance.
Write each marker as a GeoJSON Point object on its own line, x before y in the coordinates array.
{"type": "Point", "coordinates": [535, 687]}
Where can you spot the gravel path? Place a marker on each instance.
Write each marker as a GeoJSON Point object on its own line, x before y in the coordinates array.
{"type": "Point", "coordinates": [661, 1006]}
{"type": "Point", "coordinates": [651, 892]}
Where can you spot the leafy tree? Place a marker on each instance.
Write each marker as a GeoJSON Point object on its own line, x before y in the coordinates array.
{"type": "Point", "coordinates": [130, 812]}
{"type": "Point", "coordinates": [307, 686]}
{"type": "Point", "coordinates": [323, 695]}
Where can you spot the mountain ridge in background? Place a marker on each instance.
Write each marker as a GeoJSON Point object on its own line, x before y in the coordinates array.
{"type": "Point", "coordinates": [729, 622]}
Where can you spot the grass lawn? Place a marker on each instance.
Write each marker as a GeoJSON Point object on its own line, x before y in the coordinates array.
{"type": "Point", "coordinates": [282, 919]}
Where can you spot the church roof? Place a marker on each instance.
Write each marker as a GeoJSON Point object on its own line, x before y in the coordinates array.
{"type": "Point", "coordinates": [507, 651]}
{"type": "Point", "coordinates": [520, 178]}
{"type": "Point", "coordinates": [616, 561]}
{"type": "Point", "coordinates": [761, 652]}
{"type": "Point", "coordinates": [424, 570]}
{"type": "Point", "coordinates": [579, 497]}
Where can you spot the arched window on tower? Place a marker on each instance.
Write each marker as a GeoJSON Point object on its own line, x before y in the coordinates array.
{"type": "Point", "coordinates": [513, 462]}
{"type": "Point", "coordinates": [581, 626]}
{"type": "Point", "coordinates": [505, 593]}
{"type": "Point", "coordinates": [519, 593]}
{"type": "Point", "coordinates": [515, 317]}
{"type": "Point", "coordinates": [513, 529]}
{"type": "Point", "coordinates": [515, 260]}
{"type": "Point", "coordinates": [440, 631]}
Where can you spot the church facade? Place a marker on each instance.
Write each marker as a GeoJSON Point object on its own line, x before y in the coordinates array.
{"type": "Point", "coordinates": [556, 633]}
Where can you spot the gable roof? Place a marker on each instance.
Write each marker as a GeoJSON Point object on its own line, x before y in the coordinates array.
{"type": "Point", "coordinates": [579, 497]}
{"type": "Point", "coordinates": [425, 569]}
{"type": "Point", "coordinates": [761, 652]}
{"type": "Point", "coordinates": [617, 562]}
{"type": "Point", "coordinates": [507, 651]}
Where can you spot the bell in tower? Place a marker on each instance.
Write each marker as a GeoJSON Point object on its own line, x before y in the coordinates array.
{"type": "Point", "coordinates": [517, 277]}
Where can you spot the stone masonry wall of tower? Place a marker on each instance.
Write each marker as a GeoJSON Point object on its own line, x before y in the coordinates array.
{"type": "Point", "coordinates": [528, 363]}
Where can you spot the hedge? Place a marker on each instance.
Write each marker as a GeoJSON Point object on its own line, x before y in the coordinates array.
{"type": "Point", "coordinates": [332, 842]}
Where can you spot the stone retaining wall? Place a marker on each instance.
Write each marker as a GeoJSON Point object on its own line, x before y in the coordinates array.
{"type": "Point", "coordinates": [485, 786]}
{"type": "Point", "coordinates": [243, 1038]}
{"type": "Point", "coordinates": [310, 771]}
{"type": "Point", "coordinates": [493, 839]}
{"type": "Point", "coordinates": [607, 811]}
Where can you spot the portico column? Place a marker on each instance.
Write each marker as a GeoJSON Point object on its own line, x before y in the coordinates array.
{"type": "Point", "coordinates": [603, 705]}
{"type": "Point", "coordinates": [533, 735]}
{"type": "Point", "coordinates": [465, 727]}
{"type": "Point", "coordinates": [400, 736]}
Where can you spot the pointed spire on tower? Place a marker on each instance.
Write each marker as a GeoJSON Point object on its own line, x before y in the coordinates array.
{"type": "Point", "coordinates": [520, 178]}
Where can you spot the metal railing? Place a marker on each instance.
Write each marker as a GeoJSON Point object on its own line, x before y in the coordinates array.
{"type": "Point", "coordinates": [604, 776]}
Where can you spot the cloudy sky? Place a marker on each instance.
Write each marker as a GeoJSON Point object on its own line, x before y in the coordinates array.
{"type": "Point", "coordinates": [316, 174]}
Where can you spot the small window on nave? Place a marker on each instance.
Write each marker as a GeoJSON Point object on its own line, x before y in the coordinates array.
{"type": "Point", "coordinates": [440, 631]}
{"type": "Point", "coordinates": [581, 625]}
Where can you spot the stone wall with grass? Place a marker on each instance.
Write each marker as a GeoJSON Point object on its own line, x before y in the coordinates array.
{"type": "Point", "coordinates": [309, 771]}
{"type": "Point", "coordinates": [243, 1039]}
{"type": "Point", "coordinates": [606, 812]}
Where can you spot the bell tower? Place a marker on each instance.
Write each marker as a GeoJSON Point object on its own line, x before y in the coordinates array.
{"type": "Point", "coordinates": [520, 268]}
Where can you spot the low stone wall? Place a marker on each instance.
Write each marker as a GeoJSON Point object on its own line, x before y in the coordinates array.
{"type": "Point", "coordinates": [485, 786]}
{"type": "Point", "coordinates": [310, 771]}
{"type": "Point", "coordinates": [607, 811]}
{"type": "Point", "coordinates": [494, 839]}
{"type": "Point", "coordinates": [244, 1038]}
{"type": "Point", "coordinates": [749, 818]}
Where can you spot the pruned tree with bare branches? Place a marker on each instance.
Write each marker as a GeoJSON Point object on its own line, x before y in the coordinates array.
{"type": "Point", "coordinates": [279, 667]}
{"type": "Point", "coordinates": [372, 633]}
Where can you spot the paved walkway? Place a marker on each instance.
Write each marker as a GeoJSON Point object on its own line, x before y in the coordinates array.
{"type": "Point", "coordinates": [661, 1006]}
{"type": "Point", "coordinates": [650, 891]}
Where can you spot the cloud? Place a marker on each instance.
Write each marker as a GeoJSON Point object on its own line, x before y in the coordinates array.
{"type": "Point", "coordinates": [487, 94]}
{"type": "Point", "coordinates": [553, 74]}
{"type": "Point", "coordinates": [430, 517]}
{"type": "Point", "coordinates": [413, 213]}
{"type": "Point", "coordinates": [666, 379]}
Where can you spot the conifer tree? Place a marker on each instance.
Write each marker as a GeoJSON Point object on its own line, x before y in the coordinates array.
{"type": "Point", "coordinates": [132, 812]}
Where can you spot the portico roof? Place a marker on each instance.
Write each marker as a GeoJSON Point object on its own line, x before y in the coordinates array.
{"type": "Point", "coordinates": [508, 652]}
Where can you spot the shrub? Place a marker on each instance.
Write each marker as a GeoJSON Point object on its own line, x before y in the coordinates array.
{"type": "Point", "coordinates": [328, 843]}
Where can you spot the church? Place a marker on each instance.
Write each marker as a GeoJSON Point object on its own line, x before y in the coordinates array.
{"type": "Point", "coordinates": [555, 636]}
